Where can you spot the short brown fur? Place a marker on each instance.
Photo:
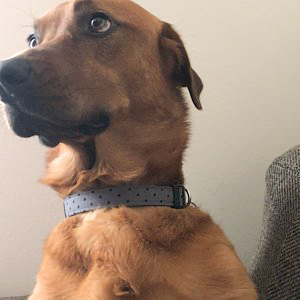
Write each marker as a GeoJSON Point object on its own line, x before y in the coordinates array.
{"type": "Point", "coordinates": [135, 75]}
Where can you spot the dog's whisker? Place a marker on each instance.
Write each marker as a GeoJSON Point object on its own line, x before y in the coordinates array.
{"type": "Point", "coordinates": [30, 14]}
{"type": "Point", "coordinates": [27, 26]}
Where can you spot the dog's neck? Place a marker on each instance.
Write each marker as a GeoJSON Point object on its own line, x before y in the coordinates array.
{"type": "Point", "coordinates": [140, 152]}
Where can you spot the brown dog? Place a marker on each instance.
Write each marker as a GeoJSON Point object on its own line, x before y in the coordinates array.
{"type": "Point", "coordinates": [102, 84]}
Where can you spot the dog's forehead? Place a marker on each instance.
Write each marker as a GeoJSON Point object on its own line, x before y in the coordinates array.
{"type": "Point", "coordinates": [124, 11]}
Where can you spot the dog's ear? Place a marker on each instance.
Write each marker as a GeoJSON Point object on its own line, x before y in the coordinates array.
{"type": "Point", "coordinates": [176, 63]}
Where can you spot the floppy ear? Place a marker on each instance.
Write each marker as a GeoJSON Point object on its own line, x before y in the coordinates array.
{"type": "Point", "coordinates": [176, 63]}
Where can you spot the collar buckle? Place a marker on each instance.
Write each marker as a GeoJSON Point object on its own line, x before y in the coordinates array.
{"type": "Point", "coordinates": [182, 198]}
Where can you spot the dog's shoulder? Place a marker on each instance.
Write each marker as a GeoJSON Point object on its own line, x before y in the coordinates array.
{"type": "Point", "coordinates": [110, 234]}
{"type": "Point", "coordinates": [159, 249]}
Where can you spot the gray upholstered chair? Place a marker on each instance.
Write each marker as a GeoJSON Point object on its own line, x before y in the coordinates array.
{"type": "Point", "coordinates": [276, 266]}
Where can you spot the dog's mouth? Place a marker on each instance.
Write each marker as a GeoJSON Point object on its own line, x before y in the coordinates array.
{"type": "Point", "coordinates": [51, 133]}
{"type": "Point", "coordinates": [78, 134]}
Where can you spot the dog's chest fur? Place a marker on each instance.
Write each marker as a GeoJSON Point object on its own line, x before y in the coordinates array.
{"type": "Point", "coordinates": [149, 250]}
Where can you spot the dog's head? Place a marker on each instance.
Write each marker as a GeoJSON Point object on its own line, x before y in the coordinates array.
{"type": "Point", "coordinates": [91, 60]}
{"type": "Point", "coordinates": [93, 65]}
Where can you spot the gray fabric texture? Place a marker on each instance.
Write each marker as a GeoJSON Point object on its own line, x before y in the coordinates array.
{"type": "Point", "coordinates": [276, 266]}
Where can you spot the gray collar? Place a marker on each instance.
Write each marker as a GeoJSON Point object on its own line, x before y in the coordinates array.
{"type": "Point", "coordinates": [176, 196]}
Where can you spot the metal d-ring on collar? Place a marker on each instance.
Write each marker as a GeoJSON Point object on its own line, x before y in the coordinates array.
{"type": "Point", "coordinates": [176, 196]}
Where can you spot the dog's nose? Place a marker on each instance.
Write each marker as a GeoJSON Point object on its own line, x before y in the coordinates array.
{"type": "Point", "coordinates": [14, 71]}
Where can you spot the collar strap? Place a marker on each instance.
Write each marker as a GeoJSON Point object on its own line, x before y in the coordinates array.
{"type": "Point", "coordinates": [176, 196]}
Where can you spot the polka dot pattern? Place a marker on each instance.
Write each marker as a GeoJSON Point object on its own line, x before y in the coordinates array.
{"type": "Point", "coordinates": [130, 196]}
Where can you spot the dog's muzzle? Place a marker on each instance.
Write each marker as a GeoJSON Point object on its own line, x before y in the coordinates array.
{"type": "Point", "coordinates": [17, 92]}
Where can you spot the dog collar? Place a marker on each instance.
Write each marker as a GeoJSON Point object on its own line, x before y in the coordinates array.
{"type": "Point", "coordinates": [176, 196]}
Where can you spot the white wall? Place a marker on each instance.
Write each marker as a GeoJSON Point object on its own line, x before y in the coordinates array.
{"type": "Point", "coordinates": [247, 53]}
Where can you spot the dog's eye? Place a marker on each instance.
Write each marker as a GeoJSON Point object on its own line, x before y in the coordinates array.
{"type": "Point", "coordinates": [99, 23]}
{"type": "Point", "coordinates": [32, 41]}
